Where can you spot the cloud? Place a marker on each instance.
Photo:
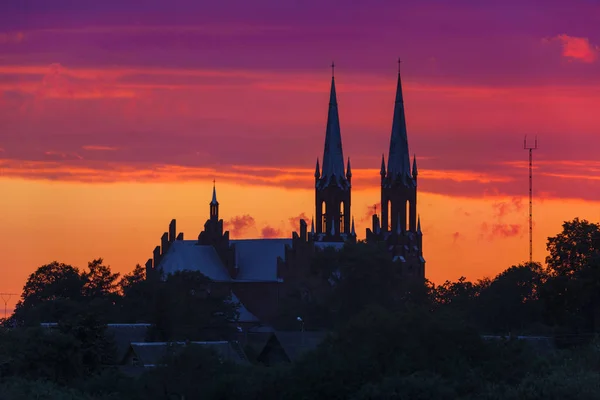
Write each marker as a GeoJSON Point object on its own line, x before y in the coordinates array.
{"type": "Point", "coordinates": [295, 221]}
{"type": "Point", "coordinates": [270, 232]}
{"type": "Point", "coordinates": [368, 213]}
{"type": "Point", "coordinates": [578, 48]}
{"type": "Point", "coordinates": [12, 37]}
{"type": "Point", "coordinates": [455, 236]}
{"type": "Point", "coordinates": [500, 230]}
{"type": "Point", "coordinates": [502, 209]}
{"type": "Point", "coordinates": [240, 223]}
{"type": "Point", "coordinates": [100, 148]}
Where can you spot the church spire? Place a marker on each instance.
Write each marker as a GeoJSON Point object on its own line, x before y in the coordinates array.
{"type": "Point", "coordinates": [214, 201]}
{"type": "Point", "coordinates": [399, 158]}
{"type": "Point", "coordinates": [353, 232]}
{"type": "Point", "coordinates": [214, 204]}
{"type": "Point", "coordinates": [333, 156]}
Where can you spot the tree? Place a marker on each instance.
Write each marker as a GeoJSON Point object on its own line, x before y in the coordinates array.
{"type": "Point", "coordinates": [572, 292]}
{"type": "Point", "coordinates": [574, 249]}
{"type": "Point", "coordinates": [52, 292]}
{"type": "Point", "coordinates": [189, 306]}
{"type": "Point", "coordinates": [100, 282]}
{"type": "Point", "coordinates": [511, 300]}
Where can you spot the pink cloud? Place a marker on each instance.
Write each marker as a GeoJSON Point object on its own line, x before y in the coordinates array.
{"type": "Point", "coordinates": [12, 37]}
{"type": "Point", "coordinates": [100, 148]}
{"type": "Point", "coordinates": [240, 223]}
{"type": "Point", "coordinates": [578, 48]}
{"type": "Point", "coordinates": [270, 232]}
{"type": "Point", "coordinates": [501, 230]}
{"type": "Point", "coordinates": [295, 221]}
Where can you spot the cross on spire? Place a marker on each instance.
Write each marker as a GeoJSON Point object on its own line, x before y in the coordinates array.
{"type": "Point", "coordinates": [399, 62]}
{"type": "Point", "coordinates": [332, 69]}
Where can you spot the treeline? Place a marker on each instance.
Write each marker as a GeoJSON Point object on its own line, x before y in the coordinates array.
{"type": "Point", "coordinates": [422, 342]}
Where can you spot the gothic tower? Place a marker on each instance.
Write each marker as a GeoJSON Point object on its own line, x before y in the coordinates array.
{"type": "Point", "coordinates": [400, 226]}
{"type": "Point", "coordinates": [332, 183]}
{"type": "Point", "coordinates": [398, 183]}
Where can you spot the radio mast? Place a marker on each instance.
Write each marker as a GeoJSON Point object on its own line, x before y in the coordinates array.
{"type": "Point", "coordinates": [530, 148]}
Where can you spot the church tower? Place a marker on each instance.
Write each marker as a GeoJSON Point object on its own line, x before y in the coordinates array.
{"type": "Point", "coordinates": [398, 183]}
{"type": "Point", "coordinates": [332, 182]}
{"type": "Point", "coordinates": [400, 226]}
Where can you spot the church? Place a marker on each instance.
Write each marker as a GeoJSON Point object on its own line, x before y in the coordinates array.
{"type": "Point", "coordinates": [260, 273]}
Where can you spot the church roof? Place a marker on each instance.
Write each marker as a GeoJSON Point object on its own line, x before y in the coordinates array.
{"type": "Point", "coordinates": [188, 255]}
{"type": "Point", "coordinates": [333, 155]}
{"type": "Point", "coordinates": [257, 258]}
{"type": "Point", "coordinates": [399, 158]}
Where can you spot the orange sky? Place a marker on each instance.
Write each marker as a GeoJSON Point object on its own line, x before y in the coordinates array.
{"type": "Point", "coordinates": [122, 222]}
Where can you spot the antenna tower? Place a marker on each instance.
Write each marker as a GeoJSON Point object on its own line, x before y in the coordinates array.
{"type": "Point", "coordinates": [5, 298]}
{"type": "Point", "coordinates": [530, 148]}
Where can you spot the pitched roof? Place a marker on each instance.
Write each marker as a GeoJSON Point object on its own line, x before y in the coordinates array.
{"type": "Point", "coordinates": [188, 255]}
{"type": "Point", "coordinates": [124, 334]}
{"type": "Point", "coordinates": [296, 344]}
{"type": "Point", "coordinates": [399, 158]}
{"type": "Point", "coordinates": [257, 258]}
{"type": "Point", "coordinates": [244, 314]}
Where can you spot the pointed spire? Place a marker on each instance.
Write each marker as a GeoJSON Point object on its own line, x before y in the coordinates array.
{"type": "Point", "coordinates": [312, 226]}
{"type": "Point", "coordinates": [419, 226]}
{"type": "Point", "coordinates": [382, 172]}
{"type": "Point", "coordinates": [399, 158]}
{"type": "Point", "coordinates": [317, 170]}
{"type": "Point", "coordinates": [353, 232]}
{"type": "Point", "coordinates": [348, 170]}
{"type": "Point", "coordinates": [414, 169]}
{"type": "Point", "coordinates": [398, 226]}
{"type": "Point", "coordinates": [333, 156]}
{"type": "Point", "coordinates": [214, 201]}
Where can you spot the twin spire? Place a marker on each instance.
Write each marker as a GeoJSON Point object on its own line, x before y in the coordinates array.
{"type": "Point", "coordinates": [399, 158]}
{"type": "Point", "coordinates": [333, 154]}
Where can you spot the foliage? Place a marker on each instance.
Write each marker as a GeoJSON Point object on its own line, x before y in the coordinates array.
{"type": "Point", "coordinates": [389, 339]}
{"type": "Point", "coordinates": [189, 308]}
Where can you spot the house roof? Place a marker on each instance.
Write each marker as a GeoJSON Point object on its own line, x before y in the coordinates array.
{"type": "Point", "coordinates": [295, 343]}
{"type": "Point", "coordinates": [151, 354]}
{"type": "Point", "coordinates": [124, 334]}
{"type": "Point", "coordinates": [245, 315]}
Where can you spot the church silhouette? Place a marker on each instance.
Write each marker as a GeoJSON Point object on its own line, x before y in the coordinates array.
{"type": "Point", "coordinates": [260, 273]}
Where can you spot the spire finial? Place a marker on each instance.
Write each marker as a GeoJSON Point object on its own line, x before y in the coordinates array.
{"type": "Point", "coordinates": [399, 62]}
{"type": "Point", "coordinates": [214, 195]}
{"type": "Point", "coordinates": [332, 69]}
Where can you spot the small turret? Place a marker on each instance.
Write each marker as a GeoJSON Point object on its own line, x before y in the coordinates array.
{"type": "Point", "coordinates": [317, 170]}
{"type": "Point", "coordinates": [353, 232]}
{"type": "Point", "coordinates": [348, 170]}
{"type": "Point", "coordinates": [419, 226]}
{"type": "Point", "coordinates": [382, 172]}
{"type": "Point", "coordinates": [414, 168]}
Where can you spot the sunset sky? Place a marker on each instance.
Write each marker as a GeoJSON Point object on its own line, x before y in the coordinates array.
{"type": "Point", "coordinates": [115, 117]}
